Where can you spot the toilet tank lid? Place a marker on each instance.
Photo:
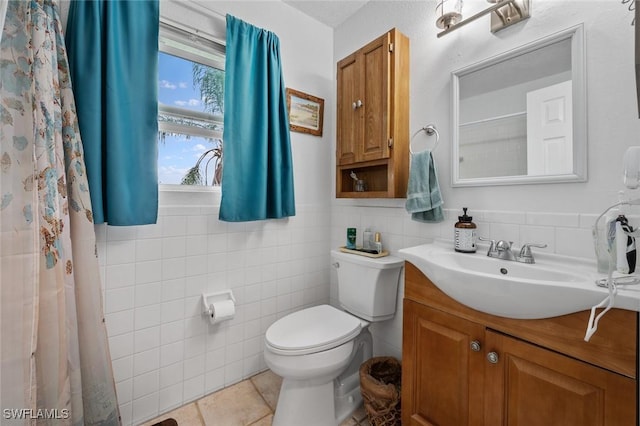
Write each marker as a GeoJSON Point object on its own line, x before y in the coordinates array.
{"type": "Point", "coordinates": [312, 330]}
{"type": "Point", "coordinates": [385, 262]}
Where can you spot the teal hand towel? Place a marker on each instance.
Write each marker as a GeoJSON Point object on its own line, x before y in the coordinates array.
{"type": "Point", "coordinates": [424, 200]}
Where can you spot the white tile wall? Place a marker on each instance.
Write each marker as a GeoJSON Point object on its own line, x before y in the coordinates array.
{"type": "Point", "coordinates": [164, 352]}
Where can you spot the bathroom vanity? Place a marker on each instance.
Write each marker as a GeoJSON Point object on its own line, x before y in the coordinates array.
{"type": "Point", "coordinates": [466, 367]}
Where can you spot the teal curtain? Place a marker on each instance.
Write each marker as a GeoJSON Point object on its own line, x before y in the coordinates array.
{"type": "Point", "coordinates": [113, 55]}
{"type": "Point", "coordinates": [257, 180]}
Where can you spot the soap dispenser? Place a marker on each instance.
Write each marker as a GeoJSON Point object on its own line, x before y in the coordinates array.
{"type": "Point", "coordinates": [465, 234]}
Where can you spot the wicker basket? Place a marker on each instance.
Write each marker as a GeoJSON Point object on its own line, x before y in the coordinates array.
{"type": "Point", "coordinates": [380, 387]}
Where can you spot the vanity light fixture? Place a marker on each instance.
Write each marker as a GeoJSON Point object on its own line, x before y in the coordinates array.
{"type": "Point", "coordinates": [449, 13]}
{"type": "Point", "coordinates": [504, 13]}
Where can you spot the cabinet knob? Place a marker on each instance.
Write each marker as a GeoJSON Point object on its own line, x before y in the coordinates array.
{"type": "Point", "coordinates": [475, 346]}
{"type": "Point", "coordinates": [493, 357]}
{"type": "Point", "coordinates": [357, 104]}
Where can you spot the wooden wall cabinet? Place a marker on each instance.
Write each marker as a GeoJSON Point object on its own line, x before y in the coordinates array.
{"type": "Point", "coordinates": [464, 367]}
{"type": "Point", "coordinates": [373, 119]}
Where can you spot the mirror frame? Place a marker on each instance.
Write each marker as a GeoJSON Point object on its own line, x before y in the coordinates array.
{"type": "Point", "coordinates": [637, 54]}
{"type": "Point", "coordinates": [579, 95]}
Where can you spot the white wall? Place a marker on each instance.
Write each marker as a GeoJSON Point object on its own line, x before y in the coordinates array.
{"type": "Point", "coordinates": [163, 350]}
{"type": "Point", "coordinates": [559, 214]}
{"type": "Point", "coordinates": [612, 110]}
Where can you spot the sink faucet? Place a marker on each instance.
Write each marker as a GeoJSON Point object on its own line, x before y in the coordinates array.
{"type": "Point", "coordinates": [502, 250]}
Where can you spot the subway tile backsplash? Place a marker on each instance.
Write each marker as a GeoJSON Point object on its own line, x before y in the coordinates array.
{"type": "Point", "coordinates": [565, 233]}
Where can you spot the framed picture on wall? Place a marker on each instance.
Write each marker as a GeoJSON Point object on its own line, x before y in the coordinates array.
{"type": "Point", "coordinates": [305, 112]}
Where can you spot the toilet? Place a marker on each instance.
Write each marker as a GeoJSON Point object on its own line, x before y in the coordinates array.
{"type": "Point", "coordinates": [318, 351]}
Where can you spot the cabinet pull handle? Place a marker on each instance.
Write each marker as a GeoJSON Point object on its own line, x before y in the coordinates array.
{"type": "Point", "coordinates": [475, 346]}
{"type": "Point", "coordinates": [493, 357]}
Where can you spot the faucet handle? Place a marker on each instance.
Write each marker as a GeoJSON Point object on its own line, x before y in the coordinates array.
{"type": "Point", "coordinates": [525, 252]}
{"type": "Point", "coordinates": [492, 243]}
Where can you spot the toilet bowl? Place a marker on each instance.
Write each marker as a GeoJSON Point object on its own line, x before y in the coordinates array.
{"type": "Point", "coordinates": [318, 350]}
{"type": "Point", "coordinates": [310, 349]}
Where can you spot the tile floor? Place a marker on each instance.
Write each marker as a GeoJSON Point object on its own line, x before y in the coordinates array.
{"type": "Point", "coordinates": [251, 402]}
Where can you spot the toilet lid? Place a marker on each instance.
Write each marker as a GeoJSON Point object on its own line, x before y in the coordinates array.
{"type": "Point", "coordinates": [312, 330]}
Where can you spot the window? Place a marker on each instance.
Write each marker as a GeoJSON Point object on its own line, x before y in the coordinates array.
{"type": "Point", "coordinates": [190, 108]}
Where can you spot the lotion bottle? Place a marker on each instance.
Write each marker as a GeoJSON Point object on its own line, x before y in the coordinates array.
{"type": "Point", "coordinates": [378, 243]}
{"type": "Point", "coordinates": [465, 234]}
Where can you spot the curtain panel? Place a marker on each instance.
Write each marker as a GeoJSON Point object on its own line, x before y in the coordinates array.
{"type": "Point", "coordinates": [257, 178]}
{"type": "Point", "coordinates": [55, 367]}
{"type": "Point", "coordinates": [113, 55]}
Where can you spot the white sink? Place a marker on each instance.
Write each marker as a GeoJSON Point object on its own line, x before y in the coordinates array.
{"type": "Point", "coordinates": [555, 285]}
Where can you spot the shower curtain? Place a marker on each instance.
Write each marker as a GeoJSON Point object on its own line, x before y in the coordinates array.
{"type": "Point", "coordinates": [54, 360]}
{"type": "Point", "coordinates": [3, 12]}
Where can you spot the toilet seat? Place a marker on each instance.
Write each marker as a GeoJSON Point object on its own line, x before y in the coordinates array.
{"type": "Point", "coordinates": [312, 330]}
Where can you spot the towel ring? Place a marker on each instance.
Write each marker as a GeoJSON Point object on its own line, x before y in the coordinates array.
{"type": "Point", "coordinates": [429, 129]}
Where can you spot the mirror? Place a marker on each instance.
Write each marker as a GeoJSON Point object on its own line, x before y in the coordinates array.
{"type": "Point", "coordinates": [520, 117]}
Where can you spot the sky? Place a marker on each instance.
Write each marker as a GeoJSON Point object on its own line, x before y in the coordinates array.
{"type": "Point", "coordinates": [175, 88]}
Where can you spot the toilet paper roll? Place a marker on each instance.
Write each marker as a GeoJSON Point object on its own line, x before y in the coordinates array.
{"type": "Point", "coordinates": [221, 311]}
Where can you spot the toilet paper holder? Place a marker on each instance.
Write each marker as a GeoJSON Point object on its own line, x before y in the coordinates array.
{"type": "Point", "coordinates": [209, 298]}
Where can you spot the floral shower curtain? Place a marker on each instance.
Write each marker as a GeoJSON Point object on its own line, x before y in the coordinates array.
{"type": "Point", "coordinates": [55, 365]}
{"type": "Point", "coordinates": [3, 12]}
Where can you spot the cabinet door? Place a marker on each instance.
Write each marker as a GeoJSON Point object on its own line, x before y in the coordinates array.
{"type": "Point", "coordinates": [442, 379]}
{"type": "Point", "coordinates": [377, 106]}
{"type": "Point", "coordinates": [533, 386]}
{"type": "Point", "coordinates": [349, 115]}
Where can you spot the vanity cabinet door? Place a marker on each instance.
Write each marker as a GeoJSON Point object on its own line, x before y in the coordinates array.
{"type": "Point", "coordinates": [528, 385]}
{"type": "Point", "coordinates": [443, 364]}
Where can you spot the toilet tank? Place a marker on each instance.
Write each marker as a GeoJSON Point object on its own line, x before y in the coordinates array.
{"type": "Point", "coordinates": [368, 287]}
